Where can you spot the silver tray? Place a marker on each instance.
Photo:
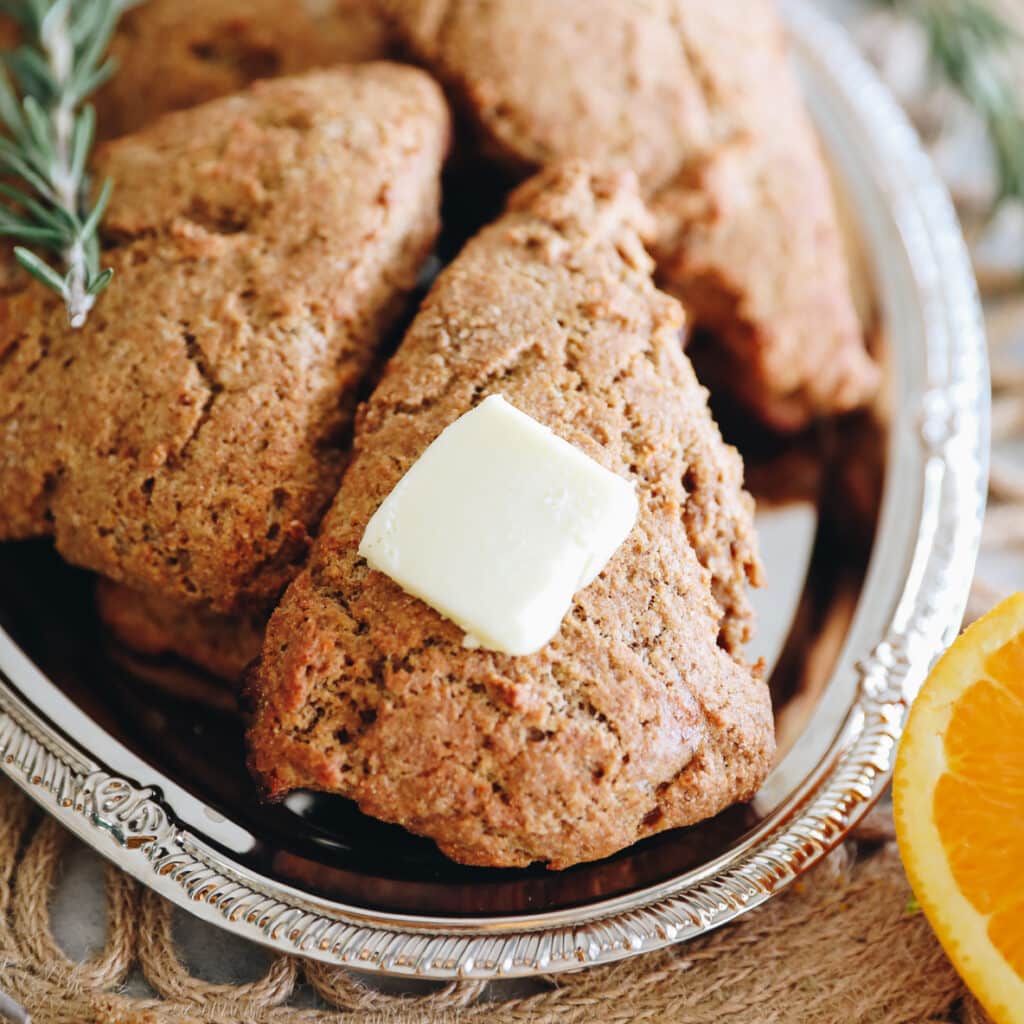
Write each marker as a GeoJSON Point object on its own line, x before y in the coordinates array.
{"type": "Point", "coordinates": [167, 822]}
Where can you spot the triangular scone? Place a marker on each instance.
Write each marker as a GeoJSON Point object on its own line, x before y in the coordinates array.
{"type": "Point", "coordinates": [697, 97]}
{"type": "Point", "coordinates": [187, 440]}
{"type": "Point", "coordinates": [641, 714]}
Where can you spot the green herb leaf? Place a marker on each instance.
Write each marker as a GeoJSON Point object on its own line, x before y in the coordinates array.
{"type": "Point", "coordinates": [81, 141]}
{"type": "Point", "coordinates": [40, 131]}
{"type": "Point", "coordinates": [40, 212]}
{"type": "Point", "coordinates": [15, 160]}
{"type": "Point", "coordinates": [49, 137]}
{"type": "Point", "coordinates": [973, 47]}
{"type": "Point", "coordinates": [92, 222]}
{"type": "Point", "coordinates": [33, 74]}
{"type": "Point", "coordinates": [19, 227]}
{"type": "Point", "coordinates": [100, 281]}
{"type": "Point", "coordinates": [10, 109]}
{"type": "Point", "coordinates": [42, 271]}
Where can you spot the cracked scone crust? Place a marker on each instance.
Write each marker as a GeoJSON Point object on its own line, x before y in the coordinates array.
{"type": "Point", "coordinates": [187, 440]}
{"type": "Point", "coordinates": [641, 714]}
{"type": "Point", "coordinates": [698, 99]}
{"type": "Point", "coordinates": [174, 54]}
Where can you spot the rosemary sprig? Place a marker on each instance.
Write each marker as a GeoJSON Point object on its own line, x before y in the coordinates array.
{"type": "Point", "coordinates": [972, 46]}
{"type": "Point", "coordinates": [50, 134]}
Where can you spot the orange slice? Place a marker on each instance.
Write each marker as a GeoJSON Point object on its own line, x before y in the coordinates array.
{"type": "Point", "coordinates": [959, 802]}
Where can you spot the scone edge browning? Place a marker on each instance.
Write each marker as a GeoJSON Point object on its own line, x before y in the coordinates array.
{"type": "Point", "coordinates": [640, 715]}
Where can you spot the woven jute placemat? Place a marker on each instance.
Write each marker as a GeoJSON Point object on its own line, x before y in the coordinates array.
{"type": "Point", "coordinates": [845, 944]}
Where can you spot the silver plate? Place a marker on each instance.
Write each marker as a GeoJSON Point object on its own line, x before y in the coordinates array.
{"type": "Point", "coordinates": [909, 607]}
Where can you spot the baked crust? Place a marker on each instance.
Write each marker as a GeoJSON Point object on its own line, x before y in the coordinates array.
{"type": "Point", "coordinates": [698, 99]}
{"type": "Point", "coordinates": [187, 440]}
{"type": "Point", "coordinates": [173, 54]}
{"type": "Point", "coordinates": [641, 714]}
{"type": "Point", "coordinates": [222, 645]}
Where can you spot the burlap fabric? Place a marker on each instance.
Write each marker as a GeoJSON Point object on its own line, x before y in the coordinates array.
{"type": "Point", "coordinates": [845, 945]}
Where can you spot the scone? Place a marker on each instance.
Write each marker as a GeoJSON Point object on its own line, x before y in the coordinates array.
{"type": "Point", "coordinates": [699, 100]}
{"type": "Point", "coordinates": [187, 440]}
{"type": "Point", "coordinates": [221, 645]}
{"type": "Point", "coordinates": [641, 714]}
{"type": "Point", "coordinates": [173, 54]}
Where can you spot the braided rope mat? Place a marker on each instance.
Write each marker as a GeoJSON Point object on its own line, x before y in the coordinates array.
{"type": "Point", "coordinates": [845, 944]}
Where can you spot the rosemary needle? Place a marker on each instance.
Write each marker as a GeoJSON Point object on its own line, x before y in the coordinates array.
{"type": "Point", "coordinates": [973, 46]}
{"type": "Point", "coordinates": [49, 137]}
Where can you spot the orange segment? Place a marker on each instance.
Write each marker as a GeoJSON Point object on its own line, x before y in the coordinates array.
{"type": "Point", "coordinates": [990, 758]}
{"type": "Point", "coordinates": [1007, 663]}
{"type": "Point", "coordinates": [958, 791]}
{"type": "Point", "coordinates": [970, 827]}
{"type": "Point", "coordinates": [1007, 936]}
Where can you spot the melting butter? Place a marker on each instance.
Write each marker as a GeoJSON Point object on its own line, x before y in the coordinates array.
{"type": "Point", "coordinates": [498, 524]}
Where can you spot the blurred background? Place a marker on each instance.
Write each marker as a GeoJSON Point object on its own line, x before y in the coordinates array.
{"type": "Point", "coordinates": [956, 66]}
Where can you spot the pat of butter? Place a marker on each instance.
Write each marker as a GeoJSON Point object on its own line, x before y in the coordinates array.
{"type": "Point", "coordinates": [498, 524]}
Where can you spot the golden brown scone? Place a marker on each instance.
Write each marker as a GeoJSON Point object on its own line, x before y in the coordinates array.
{"type": "Point", "coordinates": [699, 100]}
{"type": "Point", "coordinates": [187, 440]}
{"type": "Point", "coordinates": [640, 715]}
{"type": "Point", "coordinates": [151, 626]}
{"type": "Point", "coordinates": [174, 54]}
{"type": "Point", "coordinates": [223, 645]}
{"type": "Point", "coordinates": [748, 234]}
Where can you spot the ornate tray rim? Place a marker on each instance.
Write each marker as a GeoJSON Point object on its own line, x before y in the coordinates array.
{"type": "Point", "coordinates": [942, 472]}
